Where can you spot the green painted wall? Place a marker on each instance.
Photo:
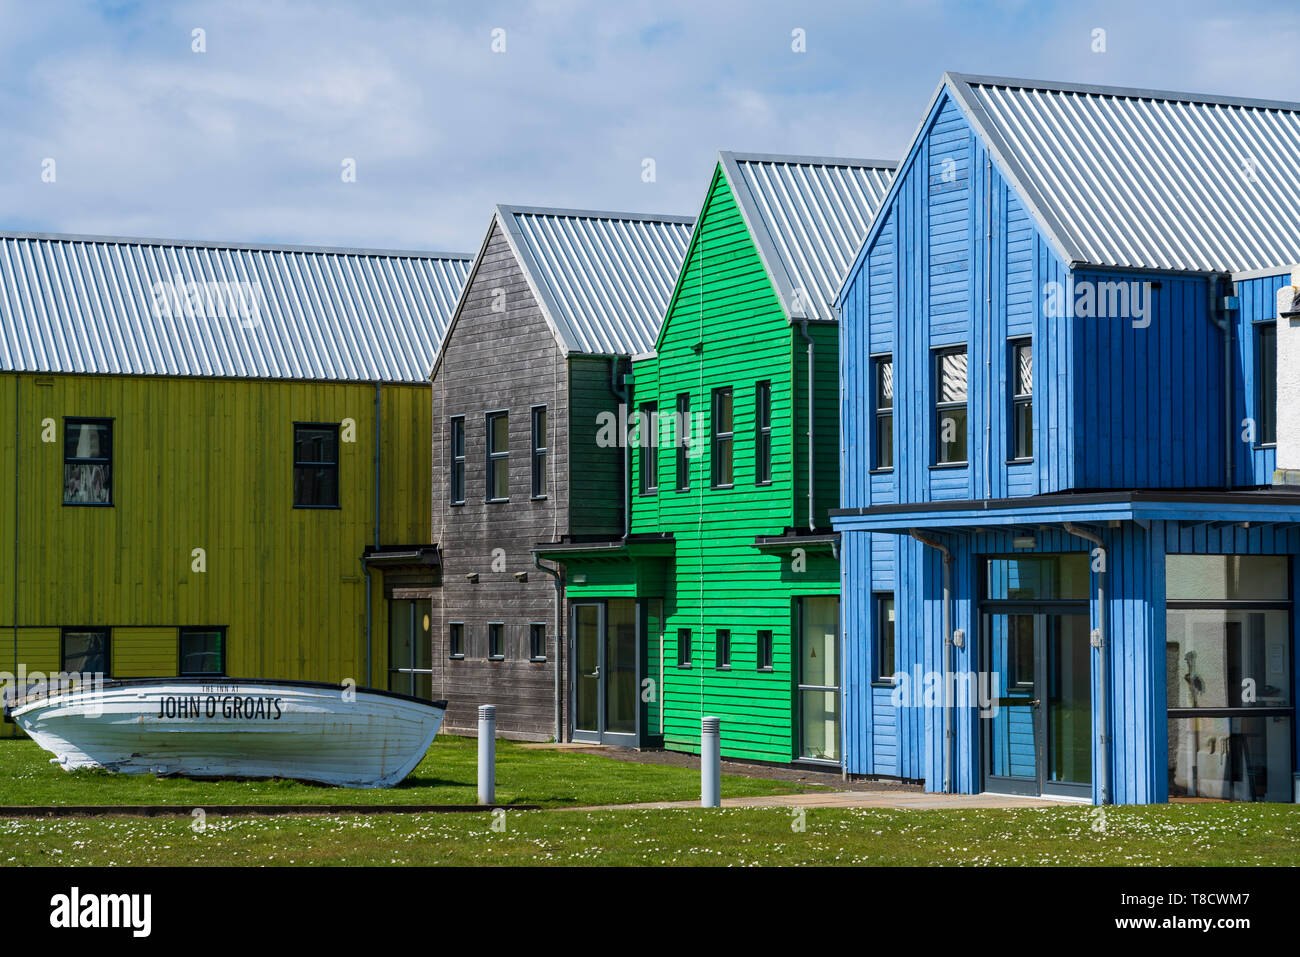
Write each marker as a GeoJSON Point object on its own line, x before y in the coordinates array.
{"type": "Point", "coordinates": [725, 301]}
{"type": "Point", "coordinates": [204, 463]}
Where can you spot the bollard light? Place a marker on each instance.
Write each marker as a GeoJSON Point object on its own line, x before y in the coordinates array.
{"type": "Point", "coordinates": [711, 762]}
{"type": "Point", "coordinates": [487, 754]}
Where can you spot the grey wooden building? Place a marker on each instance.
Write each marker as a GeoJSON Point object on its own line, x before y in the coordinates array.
{"type": "Point", "coordinates": [556, 303]}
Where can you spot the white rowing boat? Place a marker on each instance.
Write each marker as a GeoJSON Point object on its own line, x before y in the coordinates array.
{"type": "Point", "coordinates": [233, 727]}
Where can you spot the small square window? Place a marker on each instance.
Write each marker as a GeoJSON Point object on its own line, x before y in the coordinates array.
{"type": "Point", "coordinates": [202, 651]}
{"type": "Point", "coordinates": [86, 651]}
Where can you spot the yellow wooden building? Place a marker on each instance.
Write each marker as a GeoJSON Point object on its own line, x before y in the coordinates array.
{"type": "Point", "coordinates": [210, 454]}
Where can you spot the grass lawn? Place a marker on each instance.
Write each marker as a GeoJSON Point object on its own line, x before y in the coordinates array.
{"type": "Point", "coordinates": [447, 775]}
{"type": "Point", "coordinates": [1240, 834]}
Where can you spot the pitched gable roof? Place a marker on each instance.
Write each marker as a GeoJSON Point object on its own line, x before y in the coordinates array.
{"type": "Point", "coordinates": [104, 305]}
{"type": "Point", "coordinates": [1142, 178]}
{"type": "Point", "coordinates": [602, 279]}
{"type": "Point", "coordinates": [808, 216]}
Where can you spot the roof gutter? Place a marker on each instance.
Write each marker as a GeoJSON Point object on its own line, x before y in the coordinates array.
{"type": "Point", "coordinates": [948, 729]}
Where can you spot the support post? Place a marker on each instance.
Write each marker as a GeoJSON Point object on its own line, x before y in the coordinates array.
{"type": "Point", "coordinates": [710, 762]}
{"type": "Point", "coordinates": [487, 754]}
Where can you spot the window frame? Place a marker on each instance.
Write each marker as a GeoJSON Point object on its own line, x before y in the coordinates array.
{"type": "Point", "coordinates": [881, 413]}
{"type": "Point", "coordinates": [310, 464]}
{"type": "Point", "coordinates": [1017, 399]}
{"type": "Point", "coordinates": [109, 421]}
{"type": "Point", "coordinates": [456, 640]}
{"type": "Point", "coordinates": [499, 655]}
{"type": "Point", "coordinates": [533, 653]}
{"type": "Point", "coordinates": [220, 630]}
{"type": "Point", "coordinates": [538, 456]}
{"type": "Point", "coordinates": [456, 473]}
{"type": "Point", "coordinates": [718, 437]}
{"type": "Point", "coordinates": [492, 458]}
{"type": "Point", "coordinates": [682, 441]}
{"type": "Point", "coordinates": [647, 448]}
{"type": "Point", "coordinates": [1265, 386]}
{"type": "Point", "coordinates": [878, 600]}
{"type": "Point", "coordinates": [762, 432]}
{"type": "Point", "coordinates": [722, 649]}
{"type": "Point", "coordinates": [938, 353]}
{"type": "Point", "coordinates": [765, 662]}
{"type": "Point", "coordinates": [684, 644]}
{"type": "Point", "coordinates": [107, 632]}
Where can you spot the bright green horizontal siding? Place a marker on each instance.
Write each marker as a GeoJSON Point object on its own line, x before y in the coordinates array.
{"type": "Point", "coordinates": [205, 463]}
{"type": "Point", "coordinates": [718, 579]}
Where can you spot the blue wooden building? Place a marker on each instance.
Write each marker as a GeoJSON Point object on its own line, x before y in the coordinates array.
{"type": "Point", "coordinates": [1064, 570]}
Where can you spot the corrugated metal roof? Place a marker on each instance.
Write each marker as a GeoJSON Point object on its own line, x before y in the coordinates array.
{"type": "Point", "coordinates": [80, 304]}
{"type": "Point", "coordinates": [808, 215]}
{"type": "Point", "coordinates": [1146, 178]}
{"type": "Point", "coordinates": [603, 279]}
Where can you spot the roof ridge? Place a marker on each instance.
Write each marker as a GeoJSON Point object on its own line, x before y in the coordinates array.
{"type": "Point", "coordinates": [807, 160]}
{"type": "Point", "coordinates": [594, 214]}
{"type": "Point", "coordinates": [1122, 92]}
{"type": "Point", "coordinates": [6, 234]}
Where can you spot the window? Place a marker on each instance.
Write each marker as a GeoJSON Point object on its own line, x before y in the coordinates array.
{"type": "Point", "coordinates": [683, 647]}
{"type": "Point", "coordinates": [763, 433]}
{"type": "Point", "coordinates": [537, 641]}
{"type": "Point", "coordinates": [1022, 400]}
{"type": "Point", "coordinates": [722, 646]}
{"type": "Point", "coordinates": [683, 441]}
{"type": "Point", "coordinates": [1229, 676]}
{"type": "Point", "coordinates": [496, 641]}
{"type": "Point", "coordinates": [765, 651]}
{"type": "Point", "coordinates": [315, 465]}
{"type": "Point", "coordinates": [456, 639]}
{"type": "Point", "coordinates": [86, 651]}
{"type": "Point", "coordinates": [458, 460]}
{"type": "Point", "coordinates": [950, 406]}
{"type": "Point", "coordinates": [410, 647]}
{"type": "Point", "coordinates": [885, 649]}
{"type": "Point", "coordinates": [883, 389]}
{"type": "Point", "coordinates": [202, 651]}
{"type": "Point", "coordinates": [819, 692]}
{"type": "Point", "coordinates": [539, 451]}
{"type": "Point", "coordinates": [723, 438]}
{"type": "Point", "coordinates": [498, 456]}
{"type": "Point", "coordinates": [1266, 382]}
{"type": "Point", "coordinates": [87, 461]}
{"type": "Point", "coordinates": [647, 431]}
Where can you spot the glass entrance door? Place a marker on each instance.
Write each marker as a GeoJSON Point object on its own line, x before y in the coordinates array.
{"type": "Point", "coordinates": [605, 682]}
{"type": "Point", "coordinates": [1039, 738]}
{"type": "Point", "coordinates": [819, 678]}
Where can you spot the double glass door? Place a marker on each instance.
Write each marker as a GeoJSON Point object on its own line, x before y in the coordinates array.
{"type": "Point", "coordinates": [1038, 740]}
{"type": "Point", "coordinates": [605, 685]}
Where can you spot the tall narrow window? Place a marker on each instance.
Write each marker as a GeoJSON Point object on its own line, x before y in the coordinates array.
{"type": "Point", "coordinates": [950, 406]}
{"type": "Point", "coordinates": [456, 639]}
{"type": "Point", "coordinates": [87, 461]}
{"type": "Point", "coordinates": [539, 451]}
{"type": "Point", "coordinates": [885, 653]}
{"type": "Point", "coordinates": [496, 641]}
{"type": "Point", "coordinates": [1266, 382]}
{"type": "Point", "coordinates": [883, 388]}
{"type": "Point", "coordinates": [498, 456]}
{"type": "Point", "coordinates": [647, 432]}
{"type": "Point", "coordinates": [724, 438]}
{"type": "Point", "coordinates": [1022, 399]}
{"type": "Point", "coordinates": [458, 460]}
{"type": "Point", "coordinates": [763, 433]}
{"type": "Point", "coordinates": [86, 651]}
{"type": "Point", "coordinates": [537, 641]}
{"type": "Point", "coordinates": [723, 648]}
{"type": "Point", "coordinates": [202, 651]}
{"type": "Point", "coordinates": [315, 465]}
{"type": "Point", "coordinates": [682, 441]}
{"type": "Point", "coordinates": [410, 646]}
{"type": "Point", "coordinates": [765, 650]}
{"type": "Point", "coordinates": [683, 647]}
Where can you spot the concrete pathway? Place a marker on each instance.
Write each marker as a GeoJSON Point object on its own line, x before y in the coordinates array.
{"type": "Point", "coordinates": [905, 800]}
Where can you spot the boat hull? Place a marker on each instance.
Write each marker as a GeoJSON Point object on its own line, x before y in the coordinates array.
{"type": "Point", "coordinates": [330, 734]}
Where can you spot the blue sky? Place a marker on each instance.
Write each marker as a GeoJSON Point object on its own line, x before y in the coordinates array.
{"type": "Point", "coordinates": [246, 141]}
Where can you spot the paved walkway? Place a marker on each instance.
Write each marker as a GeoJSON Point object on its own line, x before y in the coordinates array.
{"type": "Point", "coordinates": [906, 800]}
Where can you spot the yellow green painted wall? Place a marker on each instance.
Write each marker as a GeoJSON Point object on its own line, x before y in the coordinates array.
{"type": "Point", "coordinates": [204, 463]}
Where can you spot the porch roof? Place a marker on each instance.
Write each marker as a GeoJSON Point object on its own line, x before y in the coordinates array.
{"type": "Point", "coordinates": [649, 545]}
{"type": "Point", "coordinates": [1255, 506]}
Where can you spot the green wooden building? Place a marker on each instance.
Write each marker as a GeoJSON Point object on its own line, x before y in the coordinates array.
{"type": "Point", "coordinates": [214, 455]}
{"type": "Point", "coordinates": [729, 566]}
